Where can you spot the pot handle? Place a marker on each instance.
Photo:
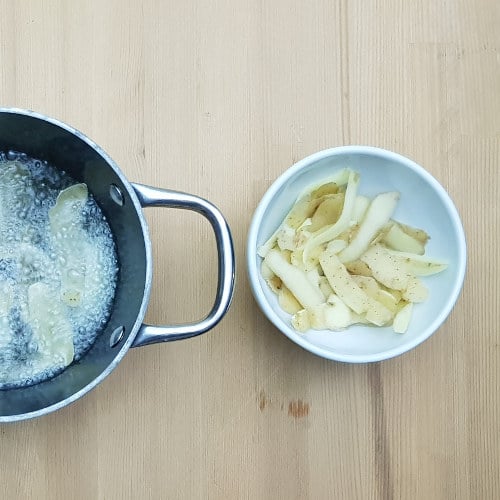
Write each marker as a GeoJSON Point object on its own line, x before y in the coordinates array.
{"type": "Point", "coordinates": [155, 197]}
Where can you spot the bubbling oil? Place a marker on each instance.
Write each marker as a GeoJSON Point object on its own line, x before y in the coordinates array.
{"type": "Point", "coordinates": [33, 259]}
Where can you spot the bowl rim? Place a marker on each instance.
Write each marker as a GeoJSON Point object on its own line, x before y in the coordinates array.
{"type": "Point", "coordinates": [253, 272]}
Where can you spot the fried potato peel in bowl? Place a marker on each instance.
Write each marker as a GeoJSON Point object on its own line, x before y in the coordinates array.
{"type": "Point", "coordinates": [356, 253]}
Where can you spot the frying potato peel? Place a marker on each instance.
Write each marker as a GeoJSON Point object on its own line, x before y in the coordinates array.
{"type": "Point", "coordinates": [339, 258]}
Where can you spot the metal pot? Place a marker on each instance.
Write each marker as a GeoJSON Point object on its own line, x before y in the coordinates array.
{"type": "Point", "coordinates": [121, 201]}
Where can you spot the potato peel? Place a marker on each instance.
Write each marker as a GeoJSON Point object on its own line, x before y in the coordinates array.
{"type": "Point", "coordinates": [338, 259]}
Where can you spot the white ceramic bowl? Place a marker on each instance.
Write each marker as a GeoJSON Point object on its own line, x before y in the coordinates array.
{"type": "Point", "coordinates": [424, 203]}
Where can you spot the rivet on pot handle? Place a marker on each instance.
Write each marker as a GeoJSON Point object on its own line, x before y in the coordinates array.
{"type": "Point", "coordinates": [155, 197]}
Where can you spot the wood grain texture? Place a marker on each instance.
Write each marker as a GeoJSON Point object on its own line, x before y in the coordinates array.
{"type": "Point", "coordinates": [217, 99]}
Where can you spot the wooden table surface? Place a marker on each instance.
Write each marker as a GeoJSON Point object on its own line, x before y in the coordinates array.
{"type": "Point", "coordinates": [217, 99]}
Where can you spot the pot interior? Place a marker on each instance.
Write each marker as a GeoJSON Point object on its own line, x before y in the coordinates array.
{"type": "Point", "coordinates": [70, 151]}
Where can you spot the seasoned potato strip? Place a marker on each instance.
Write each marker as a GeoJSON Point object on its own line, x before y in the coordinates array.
{"type": "Point", "coordinates": [304, 207]}
{"type": "Point", "coordinates": [334, 315]}
{"type": "Point", "coordinates": [375, 291]}
{"type": "Point", "coordinates": [358, 267]}
{"type": "Point", "coordinates": [397, 239]}
{"type": "Point", "coordinates": [285, 238]}
{"type": "Point", "coordinates": [419, 265]}
{"type": "Point", "coordinates": [332, 231]}
{"type": "Point", "coordinates": [300, 321]}
{"type": "Point", "coordinates": [328, 212]}
{"type": "Point", "coordinates": [350, 292]}
{"type": "Point", "coordinates": [336, 246]}
{"type": "Point", "coordinates": [325, 189]}
{"type": "Point", "coordinates": [265, 271]}
{"type": "Point", "coordinates": [386, 268]}
{"type": "Point", "coordinates": [415, 291]}
{"type": "Point", "coordinates": [378, 214]}
{"type": "Point", "coordinates": [402, 319]}
{"type": "Point", "coordinates": [318, 190]}
{"type": "Point", "coordinates": [337, 315]}
{"type": "Point", "coordinates": [342, 283]}
{"type": "Point", "coordinates": [275, 284]}
{"type": "Point", "coordinates": [361, 204]}
{"type": "Point", "coordinates": [325, 287]}
{"type": "Point", "coordinates": [418, 234]}
{"type": "Point", "coordinates": [287, 301]}
{"type": "Point", "coordinates": [294, 279]}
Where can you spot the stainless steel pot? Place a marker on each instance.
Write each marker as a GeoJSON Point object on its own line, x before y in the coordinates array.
{"type": "Point", "coordinates": [64, 147]}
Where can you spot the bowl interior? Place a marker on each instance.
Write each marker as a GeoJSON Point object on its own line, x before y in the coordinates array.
{"type": "Point", "coordinates": [423, 203]}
